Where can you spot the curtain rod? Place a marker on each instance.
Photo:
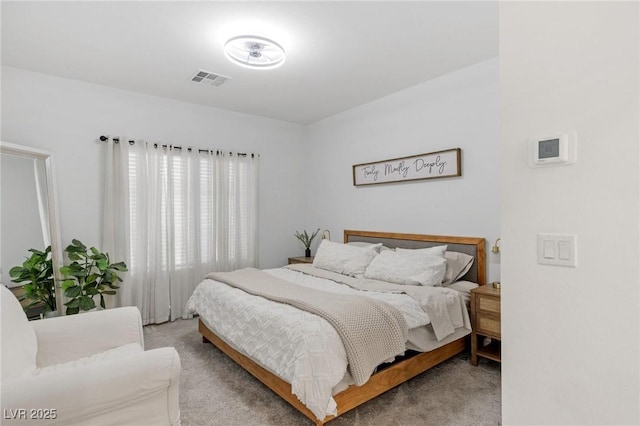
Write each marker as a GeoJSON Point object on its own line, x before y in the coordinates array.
{"type": "Point", "coordinates": [155, 145]}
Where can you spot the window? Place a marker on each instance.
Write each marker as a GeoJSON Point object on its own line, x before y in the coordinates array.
{"type": "Point", "coordinates": [195, 209]}
{"type": "Point", "coordinates": [174, 215]}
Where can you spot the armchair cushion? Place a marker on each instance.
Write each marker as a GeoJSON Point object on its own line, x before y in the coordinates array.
{"type": "Point", "coordinates": [71, 337]}
{"type": "Point", "coordinates": [18, 335]}
{"type": "Point", "coordinates": [130, 349]}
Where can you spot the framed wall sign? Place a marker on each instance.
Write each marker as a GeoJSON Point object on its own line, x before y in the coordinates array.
{"type": "Point", "coordinates": [432, 165]}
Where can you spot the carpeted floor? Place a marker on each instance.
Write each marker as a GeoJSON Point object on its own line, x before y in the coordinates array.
{"type": "Point", "coordinates": [214, 390]}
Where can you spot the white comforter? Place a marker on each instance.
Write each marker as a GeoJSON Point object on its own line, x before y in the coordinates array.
{"type": "Point", "coordinates": [300, 347]}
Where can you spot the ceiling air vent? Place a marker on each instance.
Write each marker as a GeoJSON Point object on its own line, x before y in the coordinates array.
{"type": "Point", "coordinates": [209, 78]}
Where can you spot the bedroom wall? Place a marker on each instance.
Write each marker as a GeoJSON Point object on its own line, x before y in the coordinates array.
{"type": "Point", "coordinates": [571, 336]}
{"type": "Point", "coordinates": [456, 110]}
{"type": "Point", "coordinates": [66, 117]}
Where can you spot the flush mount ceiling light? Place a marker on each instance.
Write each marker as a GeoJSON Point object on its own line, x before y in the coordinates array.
{"type": "Point", "coordinates": [254, 52]}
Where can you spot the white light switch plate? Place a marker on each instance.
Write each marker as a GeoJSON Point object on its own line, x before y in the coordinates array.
{"type": "Point", "coordinates": [557, 249]}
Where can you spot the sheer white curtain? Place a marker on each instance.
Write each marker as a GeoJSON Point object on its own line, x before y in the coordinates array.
{"type": "Point", "coordinates": [174, 215]}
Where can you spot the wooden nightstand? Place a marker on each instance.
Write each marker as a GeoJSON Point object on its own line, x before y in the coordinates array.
{"type": "Point", "coordinates": [301, 259]}
{"type": "Point", "coordinates": [485, 318]}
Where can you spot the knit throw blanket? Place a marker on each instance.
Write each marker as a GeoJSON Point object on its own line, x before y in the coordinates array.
{"type": "Point", "coordinates": [372, 331]}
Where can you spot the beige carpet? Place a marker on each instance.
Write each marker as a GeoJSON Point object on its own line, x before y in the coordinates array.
{"type": "Point", "coordinates": [216, 391]}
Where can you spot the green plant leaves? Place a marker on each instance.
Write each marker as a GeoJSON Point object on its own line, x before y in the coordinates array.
{"type": "Point", "coordinates": [74, 256]}
{"type": "Point", "coordinates": [102, 264]}
{"type": "Point", "coordinates": [90, 274]}
{"type": "Point", "coordinates": [305, 238]}
{"type": "Point", "coordinates": [73, 292]}
{"type": "Point", "coordinates": [75, 303]}
{"type": "Point", "coordinates": [79, 245]}
{"type": "Point", "coordinates": [67, 283]}
{"type": "Point", "coordinates": [120, 266]}
{"type": "Point", "coordinates": [17, 273]}
{"type": "Point", "coordinates": [37, 274]}
{"type": "Point", "coordinates": [72, 311]}
{"type": "Point", "coordinates": [87, 303]}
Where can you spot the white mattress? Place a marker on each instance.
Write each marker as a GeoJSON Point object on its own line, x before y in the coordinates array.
{"type": "Point", "coordinates": [301, 348]}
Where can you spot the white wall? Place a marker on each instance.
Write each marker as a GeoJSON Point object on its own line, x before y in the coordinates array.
{"type": "Point", "coordinates": [66, 117]}
{"type": "Point", "coordinates": [571, 336]}
{"type": "Point", "coordinates": [456, 110]}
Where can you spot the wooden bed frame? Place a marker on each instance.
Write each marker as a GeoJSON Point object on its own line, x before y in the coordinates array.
{"type": "Point", "coordinates": [398, 372]}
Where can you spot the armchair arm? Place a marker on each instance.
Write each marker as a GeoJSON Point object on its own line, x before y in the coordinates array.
{"type": "Point", "coordinates": [137, 389]}
{"type": "Point", "coordinates": [71, 337]}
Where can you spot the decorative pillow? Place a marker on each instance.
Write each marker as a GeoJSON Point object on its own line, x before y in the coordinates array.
{"type": "Point", "coordinates": [343, 258]}
{"type": "Point", "coordinates": [377, 247]}
{"type": "Point", "coordinates": [458, 264]}
{"type": "Point", "coordinates": [410, 269]}
{"type": "Point", "coordinates": [431, 251]}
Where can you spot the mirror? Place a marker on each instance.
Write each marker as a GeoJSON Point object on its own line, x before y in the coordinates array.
{"type": "Point", "coordinates": [28, 210]}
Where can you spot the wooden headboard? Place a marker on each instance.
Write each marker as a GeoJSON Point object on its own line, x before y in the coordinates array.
{"type": "Point", "coordinates": [470, 245]}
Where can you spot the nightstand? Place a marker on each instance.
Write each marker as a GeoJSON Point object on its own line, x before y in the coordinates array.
{"type": "Point", "coordinates": [485, 319]}
{"type": "Point", "coordinates": [301, 259]}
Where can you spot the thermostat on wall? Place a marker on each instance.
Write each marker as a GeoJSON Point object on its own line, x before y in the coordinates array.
{"type": "Point", "coordinates": [556, 150]}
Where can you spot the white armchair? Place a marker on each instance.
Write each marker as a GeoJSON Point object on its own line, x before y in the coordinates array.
{"type": "Point", "coordinates": [87, 369]}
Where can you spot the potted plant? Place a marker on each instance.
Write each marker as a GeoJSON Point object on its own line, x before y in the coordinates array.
{"type": "Point", "coordinates": [90, 274]}
{"type": "Point", "coordinates": [37, 273]}
{"type": "Point", "coordinates": [306, 239]}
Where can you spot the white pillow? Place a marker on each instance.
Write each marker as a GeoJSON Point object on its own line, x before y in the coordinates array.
{"type": "Point", "coordinates": [431, 251]}
{"type": "Point", "coordinates": [377, 247]}
{"type": "Point", "coordinates": [343, 258]}
{"type": "Point", "coordinates": [401, 268]}
{"type": "Point", "coordinates": [458, 264]}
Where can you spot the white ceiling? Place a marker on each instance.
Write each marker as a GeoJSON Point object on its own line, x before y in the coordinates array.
{"type": "Point", "coordinates": [339, 54]}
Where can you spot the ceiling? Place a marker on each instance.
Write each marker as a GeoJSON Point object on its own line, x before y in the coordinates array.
{"type": "Point", "coordinates": [339, 54]}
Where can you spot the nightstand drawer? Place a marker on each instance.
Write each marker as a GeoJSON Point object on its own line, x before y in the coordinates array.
{"type": "Point", "coordinates": [489, 325]}
{"type": "Point", "coordinates": [488, 304]}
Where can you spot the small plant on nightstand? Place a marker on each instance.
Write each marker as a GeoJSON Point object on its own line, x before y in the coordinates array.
{"type": "Point", "coordinates": [306, 239]}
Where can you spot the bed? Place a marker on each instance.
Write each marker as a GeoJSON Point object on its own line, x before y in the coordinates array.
{"type": "Point", "coordinates": [344, 394]}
